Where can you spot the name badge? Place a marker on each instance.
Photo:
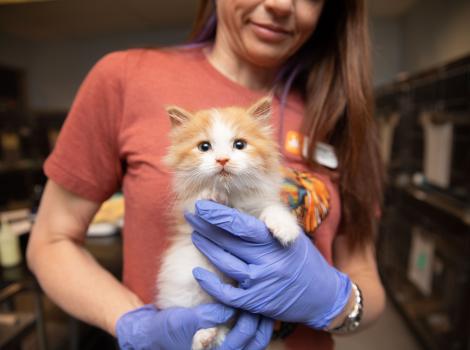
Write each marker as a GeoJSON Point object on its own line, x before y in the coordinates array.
{"type": "Point", "coordinates": [297, 144]}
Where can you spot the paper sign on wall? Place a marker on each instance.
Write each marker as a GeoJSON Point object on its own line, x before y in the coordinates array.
{"type": "Point", "coordinates": [421, 261]}
{"type": "Point", "coordinates": [438, 140]}
{"type": "Point", "coordinates": [387, 127]}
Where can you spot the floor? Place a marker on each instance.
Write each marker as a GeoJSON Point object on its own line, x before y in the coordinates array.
{"type": "Point", "coordinates": [389, 333]}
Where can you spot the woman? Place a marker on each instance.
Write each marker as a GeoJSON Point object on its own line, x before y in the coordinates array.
{"type": "Point", "coordinates": [115, 135]}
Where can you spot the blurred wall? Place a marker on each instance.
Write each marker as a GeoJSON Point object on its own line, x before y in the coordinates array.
{"type": "Point", "coordinates": [432, 32]}
{"type": "Point", "coordinates": [435, 31]}
{"type": "Point", "coordinates": [55, 69]}
{"type": "Point", "coordinates": [387, 48]}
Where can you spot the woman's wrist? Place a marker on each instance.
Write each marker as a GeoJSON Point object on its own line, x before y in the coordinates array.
{"type": "Point", "coordinates": [349, 319]}
{"type": "Point", "coordinates": [133, 303]}
{"type": "Point", "coordinates": [348, 308]}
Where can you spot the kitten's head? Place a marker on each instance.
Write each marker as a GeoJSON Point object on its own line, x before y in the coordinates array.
{"type": "Point", "coordinates": [232, 147]}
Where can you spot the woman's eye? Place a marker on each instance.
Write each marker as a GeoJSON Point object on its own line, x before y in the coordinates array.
{"type": "Point", "coordinates": [239, 144]}
{"type": "Point", "coordinates": [204, 146]}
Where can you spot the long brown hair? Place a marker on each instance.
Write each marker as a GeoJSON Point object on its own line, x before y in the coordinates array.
{"type": "Point", "coordinates": [333, 73]}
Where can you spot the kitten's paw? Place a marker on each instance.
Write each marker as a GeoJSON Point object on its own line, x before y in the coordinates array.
{"type": "Point", "coordinates": [282, 224]}
{"type": "Point", "coordinates": [206, 194]}
{"type": "Point", "coordinates": [216, 196]}
{"type": "Point", "coordinates": [222, 332]}
{"type": "Point", "coordinates": [204, 338]}
{"type": "Point", "coordinates": [220, 197]}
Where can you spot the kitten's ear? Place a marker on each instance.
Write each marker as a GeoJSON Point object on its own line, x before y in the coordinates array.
{"type": "Point", "coordinates": [177, 115]}
{"type": "Point", "coordinates": [261, 110]}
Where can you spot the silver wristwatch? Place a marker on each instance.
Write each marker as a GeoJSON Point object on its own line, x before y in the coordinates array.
{"type": "Point", "coordinates": [354, 318]}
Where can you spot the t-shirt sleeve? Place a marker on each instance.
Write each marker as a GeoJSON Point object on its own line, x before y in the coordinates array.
{"type": "Point", "coordinates": [85, 159]}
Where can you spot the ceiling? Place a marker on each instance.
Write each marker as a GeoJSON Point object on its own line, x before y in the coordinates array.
{"type": "Point", "coordinates": [58, 19]}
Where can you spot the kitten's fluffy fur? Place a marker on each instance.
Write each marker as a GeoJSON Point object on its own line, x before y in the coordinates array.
{"type": "Point", "coordinates": [243, 175]}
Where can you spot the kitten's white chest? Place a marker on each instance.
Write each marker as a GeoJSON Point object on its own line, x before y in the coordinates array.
{"type": "Point", "coordinates": [217, 193]}
{"type": "Point", "coordinates": [176, 285]}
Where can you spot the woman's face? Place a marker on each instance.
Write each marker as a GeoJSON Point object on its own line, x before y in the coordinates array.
{"type": "Point", "coordinates": [266, 32]}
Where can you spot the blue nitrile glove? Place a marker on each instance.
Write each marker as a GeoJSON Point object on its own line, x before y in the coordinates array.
{"type": "Point", "coordinates": [147, 328]}
{"type": "Point", "coordinates": [251, 332]}
{"type": "Point", "coordinates": [293, 284]}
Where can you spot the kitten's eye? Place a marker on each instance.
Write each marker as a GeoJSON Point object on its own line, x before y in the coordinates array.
{"type": "Point", "coordinates": [239, 144]}
{"type": "Point", "coordinates": [204, 146]}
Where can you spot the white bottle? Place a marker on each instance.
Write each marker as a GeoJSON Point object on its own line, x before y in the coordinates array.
{"type": "Point", "coordinates": [10, 253]}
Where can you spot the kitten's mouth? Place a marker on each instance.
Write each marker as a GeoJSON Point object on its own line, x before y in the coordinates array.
{"type": "Point", "coordinates": [224, 173]}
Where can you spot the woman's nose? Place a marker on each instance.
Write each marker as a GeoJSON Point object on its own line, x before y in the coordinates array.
{"type": "Point", "coordinates": [279, 7]}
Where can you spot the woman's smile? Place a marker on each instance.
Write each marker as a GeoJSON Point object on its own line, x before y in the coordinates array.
{"type": "Point", "coordinates": [262, 33]}
{"type": "Point", "coordinates": [270, 32]}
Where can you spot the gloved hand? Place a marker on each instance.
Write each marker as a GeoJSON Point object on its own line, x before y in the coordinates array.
{"type": "Point", "coordinates": [251, 332]}
{"type": "Point", "coordinates": [150, 329]}
{"type": "Point", "coordinates": [293, 284]}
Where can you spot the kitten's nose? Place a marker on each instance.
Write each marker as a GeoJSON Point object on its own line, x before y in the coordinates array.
{"type": "Point", "coordinates": [222, 161]}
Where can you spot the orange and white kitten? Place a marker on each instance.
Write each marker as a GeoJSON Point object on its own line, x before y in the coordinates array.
{"type": "Point", "coordinates": [227, 155]}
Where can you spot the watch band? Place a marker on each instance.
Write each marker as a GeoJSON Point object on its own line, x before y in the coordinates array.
{"type": "Point", "coordinates": [353, 320]}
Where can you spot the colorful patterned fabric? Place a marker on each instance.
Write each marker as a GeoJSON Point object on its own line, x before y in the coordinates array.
{"type": "Point", "coordinates": [307, 196]}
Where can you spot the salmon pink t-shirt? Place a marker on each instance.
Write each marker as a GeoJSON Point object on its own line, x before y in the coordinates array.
{"type": "Point", "coordinates": [115, 137]}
